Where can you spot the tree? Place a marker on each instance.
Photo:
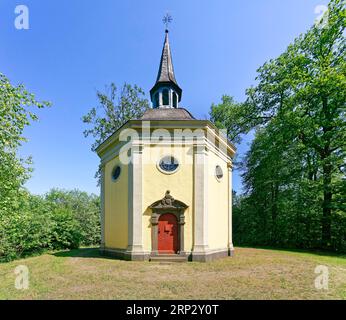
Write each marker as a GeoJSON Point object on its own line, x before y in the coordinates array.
{"type": "Point", "coordinates": [298, 112]}
{"type": "Point", "coordinates": [115, 108]}
{"type": "Point", "coordinates": [15, 114]}
{"type": "Point", "coordinates": [18, 232]}
{"type": "Point", "coordinates": [83, 208]}
{"type": "Point", "coordinates": [232, 116]}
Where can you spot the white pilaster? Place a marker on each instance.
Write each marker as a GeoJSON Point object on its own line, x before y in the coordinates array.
{"type": "Point", "coordinates": [200, 201]}
{"type": "Point", "coordinates": [171, 92]}
{"type": "Point", "coordinates": [102, 207]}
{"type": "Point", "coordinates": [160, 99]}
{"type": "Point", "coordinates": [230, 205]}
{"type": "Point", "coordinates": [135, 200]}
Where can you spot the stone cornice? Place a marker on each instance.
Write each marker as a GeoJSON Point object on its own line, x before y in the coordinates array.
{"type": "Point", "coordinates": [206, 125]}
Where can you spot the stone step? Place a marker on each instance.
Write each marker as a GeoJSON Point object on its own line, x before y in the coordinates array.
{"type": "Point", "coordinates": [168, 258]}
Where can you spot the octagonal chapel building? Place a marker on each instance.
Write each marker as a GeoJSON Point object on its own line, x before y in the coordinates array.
{"type": "Point", "coordinates": [166, 183]}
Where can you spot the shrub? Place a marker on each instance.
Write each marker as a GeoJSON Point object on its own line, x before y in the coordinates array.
{"type": "Point", "coordinates": [84, 208]}
{"type": "Point", "coordinates": [26, 228]}
{"type": "Point", "coordinates": [60, 220]}
{"type": "Point", "coordinates": [65, 233]}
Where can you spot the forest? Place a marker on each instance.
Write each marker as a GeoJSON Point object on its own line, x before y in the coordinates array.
{"type": "Point", "coordinates": [294, 172]}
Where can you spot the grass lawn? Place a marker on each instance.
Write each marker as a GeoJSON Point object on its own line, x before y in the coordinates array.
{"type": "Point", "coordinates": [251, 274]}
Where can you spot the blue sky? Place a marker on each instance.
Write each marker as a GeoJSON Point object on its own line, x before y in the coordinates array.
{"type": "Point", "coordinates": [74, 47]}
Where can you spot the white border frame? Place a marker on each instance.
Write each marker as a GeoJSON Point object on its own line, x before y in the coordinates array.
{"type": "Point", "coordinates": [216, 177]}
{"type": "Point", "coordinates": [121, 171]}
{"type": "Point", "coordinates": [168, 172]}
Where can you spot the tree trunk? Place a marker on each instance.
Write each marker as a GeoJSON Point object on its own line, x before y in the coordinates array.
{"type": "Point", "coordinates": [326, 206]}
{"type": "Point", "coordinates": [327, 178]}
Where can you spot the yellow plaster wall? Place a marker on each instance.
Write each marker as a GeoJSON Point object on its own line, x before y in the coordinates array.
{"type": "Point", "coordinates": [116, 207]}
{"type": "Point", "coordinates": [156, 183]}
{"type": "Point", "coordinates": [217, 204]}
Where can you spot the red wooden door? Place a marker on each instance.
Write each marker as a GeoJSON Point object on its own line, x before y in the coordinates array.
{"type": "Point", "coordinates": [168, 234]}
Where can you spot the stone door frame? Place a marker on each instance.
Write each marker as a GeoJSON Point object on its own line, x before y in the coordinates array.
{"type": "Point", "coordinates": [167, 205]}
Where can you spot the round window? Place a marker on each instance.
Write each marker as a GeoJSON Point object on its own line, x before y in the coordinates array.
{"type": "Point", "coordinates": [218, 173]}
{"type": "Point", "coordinates": [168, 164]}
{"type": "Point", "coordinates": [116, 173]}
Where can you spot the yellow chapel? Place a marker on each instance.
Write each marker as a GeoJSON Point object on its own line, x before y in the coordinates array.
{"type": "Point", "coordinates": [166, 182]}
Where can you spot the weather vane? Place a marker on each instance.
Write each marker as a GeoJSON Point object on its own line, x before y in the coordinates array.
{"type": "Point", "coordinates": [167, 19]}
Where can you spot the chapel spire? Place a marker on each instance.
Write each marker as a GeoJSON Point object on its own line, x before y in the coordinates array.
{"type": "Point", "coordinates": [166, 92]}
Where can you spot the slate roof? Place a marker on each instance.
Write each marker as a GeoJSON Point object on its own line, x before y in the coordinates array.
{"type": "Point", "coordinates": [166, 71]}
{"type": "Point", "coordinates": [166, 75]}
{"type": "Point", "coordinates": [167, 114]}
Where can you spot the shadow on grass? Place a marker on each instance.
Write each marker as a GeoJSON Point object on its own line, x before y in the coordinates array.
{"type": "Point", "coordinates": [83, 253]}
{"type": "Point", "coordinates": [318, 252]}
{"type": "Point", "coordinates": [95, 252]}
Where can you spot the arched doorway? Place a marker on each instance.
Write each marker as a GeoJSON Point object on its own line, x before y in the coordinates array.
{"type": "Point", "coordinates": [168, 242]}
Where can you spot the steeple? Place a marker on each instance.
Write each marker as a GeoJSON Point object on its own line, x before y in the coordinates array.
{"type": "Point", "coordinates": [166, 92]}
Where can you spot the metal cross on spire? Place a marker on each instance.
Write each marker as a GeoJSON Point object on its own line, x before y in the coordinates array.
{"type": "Point", "coordinates": [167, 19]}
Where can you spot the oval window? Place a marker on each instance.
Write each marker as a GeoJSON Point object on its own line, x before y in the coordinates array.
{"type": "Point", "coordinates": [169, 164]}
{"type": "Point", "coordinates": [116, 173]}
{"type": "Point", "coordinates": [218, 173]}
